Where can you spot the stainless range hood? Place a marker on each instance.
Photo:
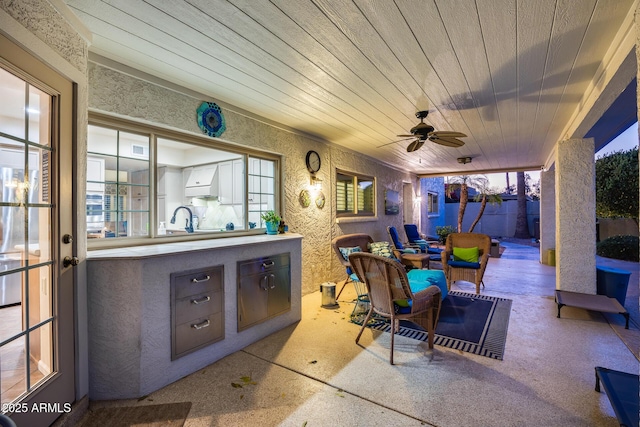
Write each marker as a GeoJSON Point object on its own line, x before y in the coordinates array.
{"type": "Point", "coordinates": [202, 182]}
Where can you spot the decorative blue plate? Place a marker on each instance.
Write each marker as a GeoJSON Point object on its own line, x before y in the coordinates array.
{"type": "Point", "coordinates": [210, 119]}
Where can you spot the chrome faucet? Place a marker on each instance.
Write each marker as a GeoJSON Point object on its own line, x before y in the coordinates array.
{"type": "Point", "coordinates": [188, 223]}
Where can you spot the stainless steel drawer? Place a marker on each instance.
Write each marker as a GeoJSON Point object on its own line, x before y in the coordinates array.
{"type": "Point", "coordinates": [197, 309]}
{"type": "Point", "coordinates": [192, 335]}
{"type": "Point", "coordinates": [197, 282]}
{"type": "Point", "coordinates": [264, 264]}
{"type": "Point", "coordinates": [196, 306]}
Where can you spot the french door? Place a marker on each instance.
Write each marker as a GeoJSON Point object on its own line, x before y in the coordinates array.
{"type": "Point", "coordinates": [36, 226]}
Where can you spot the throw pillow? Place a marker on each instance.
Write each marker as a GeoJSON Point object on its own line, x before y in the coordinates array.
{"type": "Point", "coordinates": [348, 251]}
{"type": "Point", "coordinates": [466, 254]}
{"type": "Point", "coordinates": [381, 249]}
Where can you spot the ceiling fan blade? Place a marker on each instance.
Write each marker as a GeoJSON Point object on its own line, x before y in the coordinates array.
{"type": "Point", "coordinates": [393, 142]}
{"type": "Point", "coordinates": [405, 136]}
{"type": "Point", "coordinates": [415, 145]}
{"type": "Point", "coordinates": [447, 133]}
{"type": "Point", "coordinates": [446, 141]}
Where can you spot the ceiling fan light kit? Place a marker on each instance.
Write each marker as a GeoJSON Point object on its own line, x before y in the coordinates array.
{"type": "Point", "coordinates": [464, 160]}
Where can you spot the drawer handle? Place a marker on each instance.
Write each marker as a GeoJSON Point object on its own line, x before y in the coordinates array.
{"type": "Point", "coordinates": [268, 264]}
{"type": "Point", "coordinates": [204, 299]}
{"type": "Point", "coordinates": [201, 280]}
{"type": "Point", "coordinates": [201, 324]}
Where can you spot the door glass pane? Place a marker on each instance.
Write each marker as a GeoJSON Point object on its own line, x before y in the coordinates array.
{"type": "Point", "coordinates": [12, 114]}
{"type": "Point", "coordinates": [40, 295]}
{"type": "Point", "coordinates": [38, 111]}
{"type": "Point", "coordinates": [13, 363]}
{"type": "Point", "coordinates": [39, 174]}
{"type": "Point", "coordinates": [40, 340]}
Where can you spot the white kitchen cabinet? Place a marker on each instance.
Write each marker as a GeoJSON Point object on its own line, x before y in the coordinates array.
{"type": "Point", "coordinates": [231, 179]}
{"type": "Point", "coordinates": [95, 175]}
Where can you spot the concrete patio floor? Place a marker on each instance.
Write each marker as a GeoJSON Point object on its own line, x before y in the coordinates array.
{"type": "Point", "coordinates": [313, 374]}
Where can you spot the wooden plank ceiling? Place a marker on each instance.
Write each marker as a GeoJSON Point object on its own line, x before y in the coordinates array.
{"type": "Point", "coordinates": [508, 73]}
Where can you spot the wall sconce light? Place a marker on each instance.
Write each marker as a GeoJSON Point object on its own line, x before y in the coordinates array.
{"type": "Point", "coordinates": [316, 183]}
{"type": "Point", "coordinates": [464, 160]}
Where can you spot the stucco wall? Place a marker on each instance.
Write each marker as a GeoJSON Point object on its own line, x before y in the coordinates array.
{"type": "Point", "coordinates": [575, 216]}
{"type": "Point", "coordinates": [121, 94]}
{"type": "Point", "coordinates": [430, 222]}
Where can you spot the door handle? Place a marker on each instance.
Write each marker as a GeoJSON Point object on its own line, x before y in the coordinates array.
{"type": "Point", "coordinates": [69, 261]}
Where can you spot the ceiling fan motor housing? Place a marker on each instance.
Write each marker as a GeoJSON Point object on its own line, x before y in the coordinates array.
{"type": "Point", "coordinates": [422, 129]}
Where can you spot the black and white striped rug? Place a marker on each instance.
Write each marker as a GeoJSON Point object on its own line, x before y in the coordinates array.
{"type": "Point", "coordinates": [468, 322]}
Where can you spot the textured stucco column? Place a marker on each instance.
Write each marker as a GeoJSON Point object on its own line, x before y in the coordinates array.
{"type": "Point", "coordinates": [575, 216]}
{"type": "Point", "coordinates": [547, 213]}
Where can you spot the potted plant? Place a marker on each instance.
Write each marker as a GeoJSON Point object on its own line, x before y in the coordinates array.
{"type": "Point", "coordinates": [443, 232]}
{"type": "Point", "coordinates": [272, 220]}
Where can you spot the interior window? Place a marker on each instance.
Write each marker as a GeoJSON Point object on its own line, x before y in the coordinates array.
{"type": "Point", "coordinates": [198, 188]}
{"type": "Point", "coordinates": [117, 183]}
{"type": "Point", "coordinates": [355, 195]}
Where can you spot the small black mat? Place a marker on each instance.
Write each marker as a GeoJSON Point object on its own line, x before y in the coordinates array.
{"type": "Point", "coordinates": [166, 415]}
{"type": "Point", "coordinates": [468, 322]}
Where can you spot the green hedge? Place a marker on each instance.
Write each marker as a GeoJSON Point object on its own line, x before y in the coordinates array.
{"type": "Point", "coordinates": [619, 247]}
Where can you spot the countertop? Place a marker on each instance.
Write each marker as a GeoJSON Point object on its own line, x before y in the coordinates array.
{"type": "Point", "coordinates": [162, 249]}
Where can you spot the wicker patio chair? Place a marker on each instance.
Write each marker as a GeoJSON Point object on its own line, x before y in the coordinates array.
{"type": "Point", "coordinates": [391, 295]}
{"type": "Point", "coordinates": [342, 246]}
{"type": "Point", "coordinates": [466, 270]}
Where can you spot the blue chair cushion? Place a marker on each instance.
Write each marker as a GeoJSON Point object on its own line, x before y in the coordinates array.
{"type": "Point", "coordinates": [409, 251]}
{"type": "Point", "coordinates": [422, 279]}
{"type": "Point", "coordinates": [418, 281]}
{"type": "Point", "coordinates": [402, 307]}
{"type": "Point", "coordinates": [348, 251]}
{"type": "Point", "coordinates": [396, 239]}
{"type": "Point", "coordinates": [435, 256]}
{"type": "Point", "coordinates": [424, 246]}
{"type": "Point", "coordinates": [464, 264]}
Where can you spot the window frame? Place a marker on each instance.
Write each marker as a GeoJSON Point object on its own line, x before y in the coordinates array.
{"type": "Point", "coordinates": [354, 213]}
{"type": "Point", "coordinates": [154, 132]}
{"type": "Point", "coordinates": [433, 199]}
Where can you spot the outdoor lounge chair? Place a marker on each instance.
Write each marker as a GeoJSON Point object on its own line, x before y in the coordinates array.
{"type": "Point", "coordinates": [465, 258]}
{"type": "Point", "coordinates": [415, 239]}
{"type": "Point", "coordinates": [391, 296]}
{"type": "Point", "coordinates": [409, 256]}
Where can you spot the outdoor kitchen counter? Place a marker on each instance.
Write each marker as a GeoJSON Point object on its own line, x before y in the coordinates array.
{"type": "Point", "coordinates": [129, 309]}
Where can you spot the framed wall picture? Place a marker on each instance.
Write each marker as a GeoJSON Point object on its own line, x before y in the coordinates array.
{"type": "Point", "coordinates": [391, 202]}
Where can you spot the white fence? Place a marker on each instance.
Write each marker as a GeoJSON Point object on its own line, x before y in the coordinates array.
{"type": "Point", "coordinates": [496, 221]}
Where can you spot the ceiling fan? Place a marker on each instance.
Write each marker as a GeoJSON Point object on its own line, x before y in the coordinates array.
{"type": "Point", "coordinates": [423, 132]}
